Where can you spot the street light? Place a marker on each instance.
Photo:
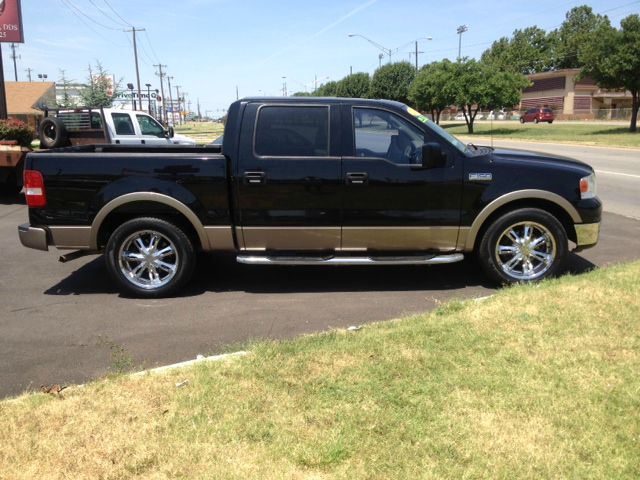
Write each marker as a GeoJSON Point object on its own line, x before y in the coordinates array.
{"type": "Point", "coordinates": [461, 30]}
{"type": "Point", "coordinates": [133, 97]}
{"type": "Point", "coordinates": [42, 76]}
{"type": "Point", "coordinates": [284, 86]}
{"type": "Point", "coordinates": [385, 50]}
{"type": "Point", "coordinates": [148, 85]}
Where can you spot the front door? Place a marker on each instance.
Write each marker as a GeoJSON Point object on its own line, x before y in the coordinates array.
{"type": "Point", "coordinates": [288, 178]}
{"type": "Point", "coordinates": [390, 201]}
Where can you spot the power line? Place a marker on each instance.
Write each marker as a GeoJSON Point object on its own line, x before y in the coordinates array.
{"type": "Point", "coordinates": [108, 40]}
{"type": "Point", "coordinates": [72, 6]}
{"type": "Point", "coordinates": [105, 13]}
{"type": "Point", "coordinates": [117, 14]}
{"type": "Point", "coordinates": [151, 46]}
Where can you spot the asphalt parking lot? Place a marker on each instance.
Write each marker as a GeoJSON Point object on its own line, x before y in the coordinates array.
{"type": "Point", "coordinates": [66, 323]}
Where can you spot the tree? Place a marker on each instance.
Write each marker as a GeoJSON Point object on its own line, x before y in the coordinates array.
{"type": "Point", "coordinates": [302, 94]}
{"type": "Point", "coordinates": [329, 89]}
{"type": "Point", "coordinates": [528, 51]}
{"type": "Point", "coordinates": [612, 58]}
{"type": "Point", "coordinates": [354, 86]}
{"type": "Point", "coordinates": [100, 90]}
{"type": "Point", "coordinates": [431, 90]}
{"type": "Point", "coordinates": [392, 81]}
{"type": "Point", "coordinates": [479, 86]}
{"type": "Point", "coordinates": [580, 24]}
{"type": "Point", "coordinates": [67, 101]}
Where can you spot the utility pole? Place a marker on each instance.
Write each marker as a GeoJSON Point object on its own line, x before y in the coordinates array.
{"type": "Point", "coordinates": [199, 114]}
{"type": "Point", "coordinates": [29, 70]}
{"type": "Point", "coordinates": [14, 57]}
{"type": "Point", "coordinates": [170, 98]}
{"type": "Point", "coordinates": [161, 74]}
{"type": "Point", "coordinates": [177, 87]}
{"type": "Point", "coordinates": [3, 97]}
{"type": "Point", "coordinates": [135, 54]}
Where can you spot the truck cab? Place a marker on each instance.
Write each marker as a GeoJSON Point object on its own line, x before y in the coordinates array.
{"type": "Point", "coordinates": [86, 126]}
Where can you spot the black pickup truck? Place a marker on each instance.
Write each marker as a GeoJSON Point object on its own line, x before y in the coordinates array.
{"type": "Point", "coordinates": [314, 182]}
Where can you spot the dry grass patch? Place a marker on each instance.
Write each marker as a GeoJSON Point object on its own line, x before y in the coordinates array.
{"type": "Point", "coordinates": [535, 382]}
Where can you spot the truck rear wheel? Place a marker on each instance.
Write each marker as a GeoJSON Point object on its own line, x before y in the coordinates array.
{"type": "Point", "coordinates": [53, 133]}
{"type": "Point", "coordinates": [523, 246]}
{"type": "Point", "coordinates": [150, 257]}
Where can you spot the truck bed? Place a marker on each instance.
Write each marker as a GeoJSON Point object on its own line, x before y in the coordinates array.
{"type": "Point", "coordinates": [81, 180]}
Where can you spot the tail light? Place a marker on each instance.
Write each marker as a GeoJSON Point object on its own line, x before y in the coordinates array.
{"type": "Point", "coordinates": [34, 189]}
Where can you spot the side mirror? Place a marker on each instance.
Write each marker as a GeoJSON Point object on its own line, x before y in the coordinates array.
{"type": "Point", "coordinates": [433, 156]}
{"type": "Point", "coordinates": [171, 132]}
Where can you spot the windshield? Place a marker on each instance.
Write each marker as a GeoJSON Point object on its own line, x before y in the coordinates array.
{"type": "Point", "coordinates": [437, 129]}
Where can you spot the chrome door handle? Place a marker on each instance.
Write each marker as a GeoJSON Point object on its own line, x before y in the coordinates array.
{"type": "Point", "coordinates": [255, 178]}
{"type": "Point", "coordinates": [357, 178]}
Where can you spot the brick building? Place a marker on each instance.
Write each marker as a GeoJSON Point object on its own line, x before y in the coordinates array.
{"type": "Point", "coordinates": [571, 98]}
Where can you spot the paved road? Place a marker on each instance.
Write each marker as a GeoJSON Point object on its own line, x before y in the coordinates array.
{"type": "Point", "coordinates": [617, 170]}
{"type": "Point", "coordinates": [62, 322]}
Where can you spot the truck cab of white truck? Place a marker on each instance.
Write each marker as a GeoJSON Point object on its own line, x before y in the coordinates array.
{"type": "Point", "coordinates": [82, 126]}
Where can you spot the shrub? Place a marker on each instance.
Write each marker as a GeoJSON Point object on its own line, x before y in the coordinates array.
{"type": "Point", "coordinates": [13, 129]}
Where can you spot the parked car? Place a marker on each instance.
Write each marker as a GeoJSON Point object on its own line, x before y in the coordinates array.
{"type": "Point", "coordinates": [87, 126]}
{"type": "Point", "coordinates": [537, 115]}
{"type": "Point", "coordinates": [496, 115]}
{"type": "Point", "coordinates": [311, 181]}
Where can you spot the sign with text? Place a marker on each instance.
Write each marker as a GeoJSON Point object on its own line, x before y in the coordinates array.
{"type": "Point", "coordinates": [11, 21]}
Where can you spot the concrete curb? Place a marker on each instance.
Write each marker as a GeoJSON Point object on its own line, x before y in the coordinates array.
{"type": "Point", "coordinates": [188, 363]}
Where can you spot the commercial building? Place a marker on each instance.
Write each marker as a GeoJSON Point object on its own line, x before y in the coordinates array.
{"type": "Point", "coordinates": [573, 98]}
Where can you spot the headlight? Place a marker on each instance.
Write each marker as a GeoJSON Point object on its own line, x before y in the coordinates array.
{"type": "Point", "coordinates": [588, 186]}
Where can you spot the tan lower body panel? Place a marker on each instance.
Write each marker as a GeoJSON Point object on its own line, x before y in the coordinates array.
{"type": "Point", "coordinates": [220, 238]}
{"type": "Point", "coordinates": [291, 238]}
{"type": "Point", "coordinates": [441, 239]}
{"type": "Point", "coordinates": [70, 237]}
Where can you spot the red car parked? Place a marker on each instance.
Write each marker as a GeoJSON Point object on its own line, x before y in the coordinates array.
{"type": "Point", "coordinates": [536, 115]}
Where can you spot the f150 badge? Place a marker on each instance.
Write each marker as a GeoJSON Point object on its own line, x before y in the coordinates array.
{"type": "Point", "coordinates": [480, 177]}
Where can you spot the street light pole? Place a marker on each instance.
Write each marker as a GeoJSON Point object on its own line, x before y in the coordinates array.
{"type": "Point", "coordinates": [461, 30]}
{"type": "Point", "coordinates": [171, 100]}
{"type": "Point", "coordinates": [148, 85]}
{"type": "Point", "coordinates": [387, 51]}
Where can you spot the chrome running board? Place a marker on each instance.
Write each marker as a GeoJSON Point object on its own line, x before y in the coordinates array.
{"type": "Point", "coordinates": [406, 260]}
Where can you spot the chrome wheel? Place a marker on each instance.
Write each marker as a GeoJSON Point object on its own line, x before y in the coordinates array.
{"type": "Point", "coordinates": [525, 251]}
{"type": "Point", "coordinates": [148, 259]}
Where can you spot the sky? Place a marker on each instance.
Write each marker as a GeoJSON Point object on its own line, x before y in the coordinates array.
{"type": "Point", "coordinates": [217, 49]}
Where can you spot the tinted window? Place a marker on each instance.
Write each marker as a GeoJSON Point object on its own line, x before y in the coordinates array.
{"type": "Point", "coordinates": [547, 110]}
{"type": "Point", "coordinates": [96, 120]}
{"type": "Point", "coordinates": [292, 132]}
{"type": "Point", "coordinates": [379, 133]}
{"type": "Point", "coordinates": [122, 123]}
{"type": "Point", "coordinates": [148, 126]}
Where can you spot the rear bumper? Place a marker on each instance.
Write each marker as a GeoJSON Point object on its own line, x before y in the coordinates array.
{"type": "Point", "coordinates": [587, 235]}
{"type": "Point", "coordinates": [33, 237]}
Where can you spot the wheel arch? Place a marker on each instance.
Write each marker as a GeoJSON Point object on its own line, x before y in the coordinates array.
{"type": "Point", "coordinates": [145, 204]}
{"type": "Point", "coordinates": [550, 202]}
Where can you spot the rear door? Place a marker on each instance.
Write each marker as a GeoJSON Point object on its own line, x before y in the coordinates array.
{"type": "Point", "coordinates": [392, 203]}
{"type": "Point", "coordinates": [287, 177]}
{"type": "Point", "coordinates": [124, 129]}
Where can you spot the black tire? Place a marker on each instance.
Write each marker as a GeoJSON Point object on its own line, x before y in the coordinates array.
{"type": "Point", "coordinates": [535, 120]}
{"type": "Point", "coordinates": [53, 133]}
{"type": "Point", "coordinates": [550, 122]}
{"type": "Point", "coordinates": [150, 268]}
{"type": "Point", "coordinates": [525, 258]}
{"type": "Point", "coordinates": [521, 119]}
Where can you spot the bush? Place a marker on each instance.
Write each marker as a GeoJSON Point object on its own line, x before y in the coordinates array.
{"type": "Point", "coordinates": [13, 129]}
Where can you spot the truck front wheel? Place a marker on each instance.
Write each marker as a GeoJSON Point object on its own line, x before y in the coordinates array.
{"type": "Point", "coordinates": [150, 257]}
{"type": "Point", "coordinates": [523, 246]}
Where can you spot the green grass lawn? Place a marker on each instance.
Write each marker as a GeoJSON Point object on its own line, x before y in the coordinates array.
{"type": "Point", "coordinates": [202, 132]}
{"type": "Point", "coordinates": [535, 382]}
{"type": "Point", "coordinates": [588, 134]}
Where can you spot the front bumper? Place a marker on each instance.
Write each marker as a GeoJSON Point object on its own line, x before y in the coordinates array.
{"type": "Point", "coordinates": [587, 235]}
{"type": "Point", "coordinates": [33, 237]}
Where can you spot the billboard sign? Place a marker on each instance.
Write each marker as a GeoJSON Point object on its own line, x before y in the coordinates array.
{"type": "Point", "coordinates": [11, 21]}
